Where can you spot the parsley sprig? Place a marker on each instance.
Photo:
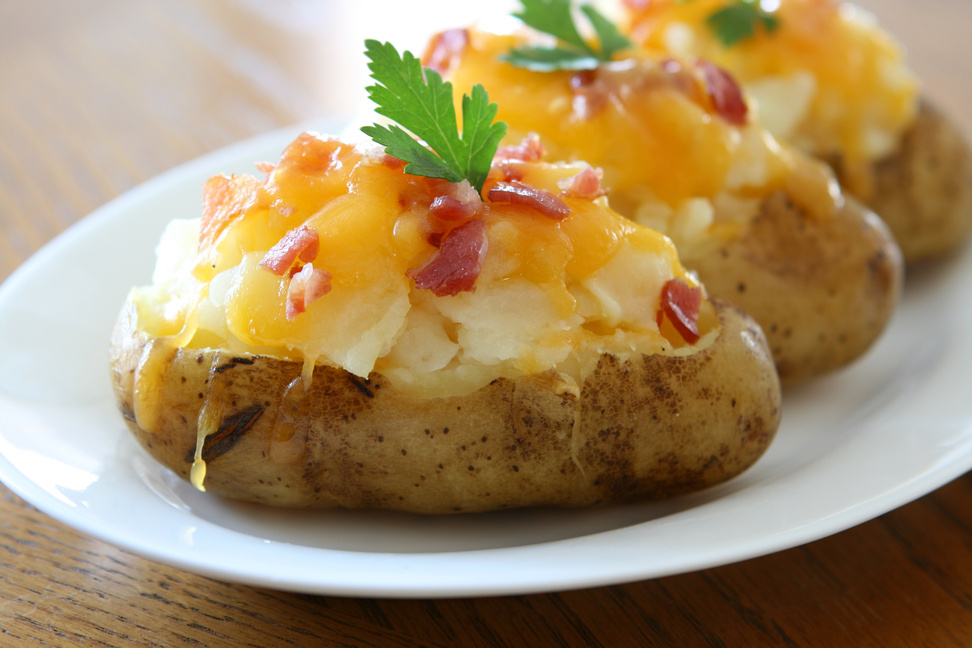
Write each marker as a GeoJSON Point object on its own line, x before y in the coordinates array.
{"type": "Point", "coordinates": [572, 52]}
{"type": "Point", "coordinates": [739, 20]}
{"type": "Point", "coordinates": [420, 102]}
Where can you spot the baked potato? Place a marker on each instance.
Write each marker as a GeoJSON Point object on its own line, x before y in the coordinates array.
{"type": "Point", "coordinates": [762, 224]}
{"type": "Point", "coordinates": [829, 81]}
{"type": "Point", "coordinates": [557, 355]}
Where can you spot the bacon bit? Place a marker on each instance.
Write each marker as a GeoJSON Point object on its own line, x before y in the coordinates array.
{"type": "Point", "coordinates": [444, 49]}
{"type": "Point", "coordinates": [681, 304]}
{"type": "Point", "coordinates": [448, 208]}
{"type": "Point", "coordinates": [529, 150]}
{"type": "Point", "coordinates": [225, 199]}
{"type": "Point", "coordinates": [310, 154]}
{"type": "Point", "coordinates": [456, 265]}
{"type": "Point", "coordinates": [518, 193]}
{"type": "Point", "coordinates": [265, 167]}
{"type": "Point", "coordinates": [726, 96]}
{"type": "Point", "coordinates": [306, 287]}
{"type": "Point", "coordinates": [461, 202]}
{"type": "Point", "coordinates": [301, 242]}
{"type": "Point", "coordinates": [586, 184]}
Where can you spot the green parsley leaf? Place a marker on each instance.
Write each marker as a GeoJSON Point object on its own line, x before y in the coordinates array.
{"type": "Point", "coordinates": [611, 39]}
{"type": "Point", "coordinates": [554, 17]}
{"type": "Point", "coordinates": [738, 21]}
{"type": "Point", "coordinates": [547, 59]}
{"type": "Point", "coordinates": [421, 103]}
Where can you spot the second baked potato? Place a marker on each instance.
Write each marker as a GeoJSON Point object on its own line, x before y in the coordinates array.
{"type": "Point", "coordinates": [763, 225]}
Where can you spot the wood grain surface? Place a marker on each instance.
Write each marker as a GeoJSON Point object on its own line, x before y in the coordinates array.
{"type": "Point", "coordinates": [102, 95]}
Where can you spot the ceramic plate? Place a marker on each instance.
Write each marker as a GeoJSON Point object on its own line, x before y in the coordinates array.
{"type": "Point", "coordinates": [888, 430]}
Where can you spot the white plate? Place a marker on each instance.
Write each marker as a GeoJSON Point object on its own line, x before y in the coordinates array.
{"type": "Point", "coordinates": [891, 428]}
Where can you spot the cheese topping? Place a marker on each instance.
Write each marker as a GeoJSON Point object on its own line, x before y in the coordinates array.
{"type": "Point", "coordinates": [341, 258]}
{"type": "Point", "coordinates": [827, 79]}
{"type": "Point", "coordinates": [675, 154]}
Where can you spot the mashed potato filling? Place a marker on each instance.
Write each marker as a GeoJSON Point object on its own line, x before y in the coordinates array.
{"type": "Point", "coordinates": [550, 294]}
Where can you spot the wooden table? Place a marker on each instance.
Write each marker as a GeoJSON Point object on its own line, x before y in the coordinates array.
{"type": "Point", "coordinates": [102, 95]}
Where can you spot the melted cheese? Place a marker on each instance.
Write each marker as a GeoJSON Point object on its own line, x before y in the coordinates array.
{"type": "Point", "coordinates": [828, 62]}
{"type": "Point", "coordinates": [651, 137]}
{"type": "Point", "coordinates": [670, 160]}
{"type": "Point", "coordinates": [551, 294]}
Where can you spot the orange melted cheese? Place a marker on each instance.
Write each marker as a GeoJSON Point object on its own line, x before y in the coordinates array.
{"type": "Point", "coordinates": [654, 133]}
{"type": "Point", "coordinates": [651, 137]}
{"type": "Point", "coordinates": [863, 96]}
{"type": "Point", "coordinates": [551, 294]}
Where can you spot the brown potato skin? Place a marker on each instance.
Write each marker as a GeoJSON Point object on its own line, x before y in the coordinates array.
{"type": "Point", "coordinates": [923, 190]}
{"type": "Point", "coordinates": [822, 289]}
{"type": "Point", "coordinates": [650, 427]}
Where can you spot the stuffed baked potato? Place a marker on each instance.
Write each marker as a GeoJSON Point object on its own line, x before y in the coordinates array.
{"type": "Point", "coordinates": [828, 80]}
{"type": "Point", "coordinates": [345, 334]}
{"type": "Point", "coordinates": [764, 226]}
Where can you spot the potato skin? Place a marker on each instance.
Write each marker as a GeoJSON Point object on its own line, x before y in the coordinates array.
{"type": "Point", "coordinates": [823, 290]}
{"type": "Point", "coordinates": [923, 190]}
{"type": "Point", "coordinates": [649, 427]}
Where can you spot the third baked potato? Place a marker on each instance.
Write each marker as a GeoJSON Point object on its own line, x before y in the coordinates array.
{"type": "Point", "coordinates": [831, 82]}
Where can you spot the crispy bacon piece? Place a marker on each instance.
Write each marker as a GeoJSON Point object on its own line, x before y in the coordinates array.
{"type": "Point", "coordinates": [306, 287]}
{"type": "Point", "coordinates": [448, 208]}
{"type": "Point", "coordinates": [727, 98]}
{"type": "Point", "coordinates": [461, 203]}
{"type": "Point", "coordinates": [518, 193]}
{"type": "Point", "coordinates": [444, 49]}
{"type": "Point", "coordinates": [680, 304]}
{"type": "Point", "coordinates": [456, 265]}
{"type": "Point", "coordinates": [310, 155]}
{"type": "Point", "coordinates": [529, 150]}
{"type": "Point", "coordinates": [586, 184]}
{"type": "Point", "coordinates": [300, 243]}
{"type": "Point", "coordinates": [225, 199]}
